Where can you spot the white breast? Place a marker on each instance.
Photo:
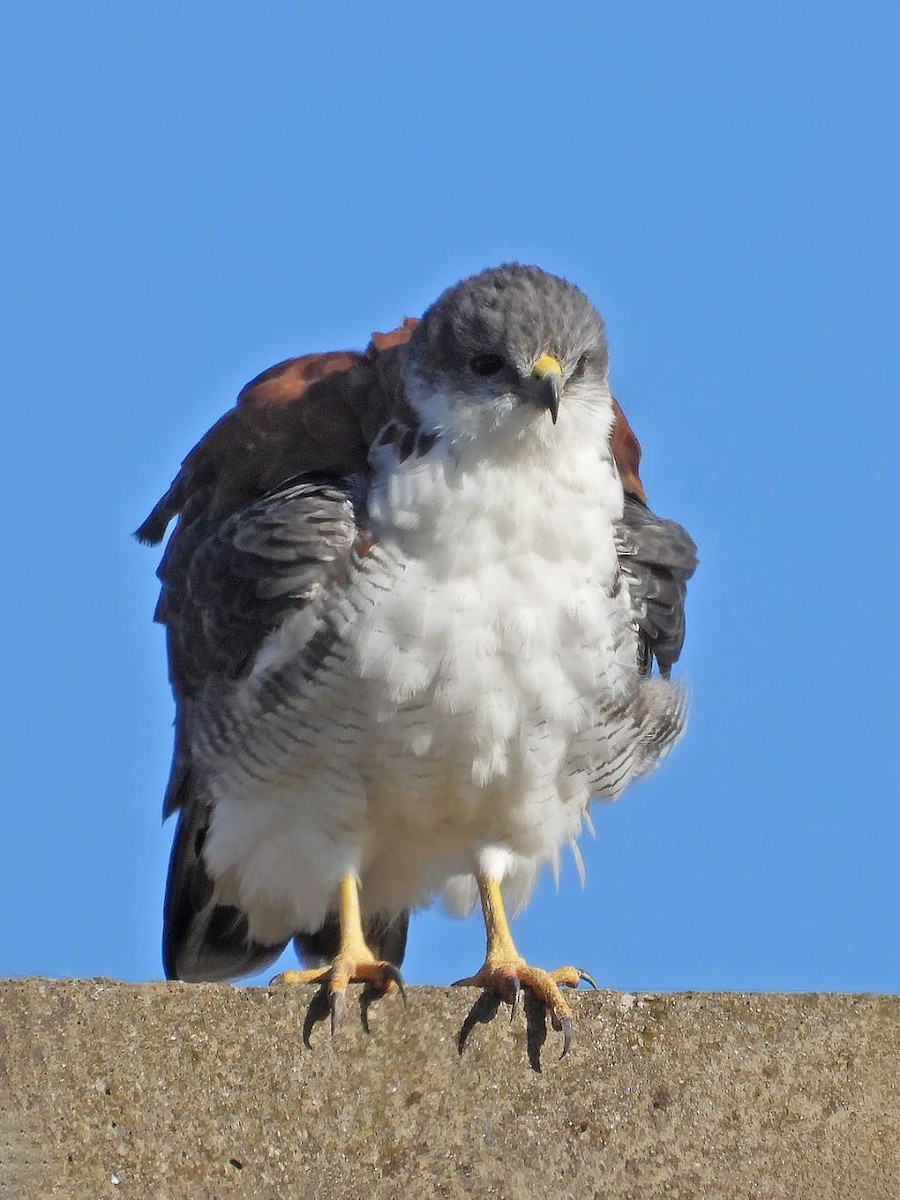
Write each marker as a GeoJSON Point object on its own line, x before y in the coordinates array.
{"type": "Point", "coordinates": [501, 644]}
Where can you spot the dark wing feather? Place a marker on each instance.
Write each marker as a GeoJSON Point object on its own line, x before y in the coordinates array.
{"type": "Point", "coordinates": [227, 584]}
{"type": "Point", "coordinates": [657, 558]}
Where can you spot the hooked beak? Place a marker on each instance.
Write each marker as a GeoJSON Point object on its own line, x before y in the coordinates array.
{"type": "Point", "coordinates": [547, 375]}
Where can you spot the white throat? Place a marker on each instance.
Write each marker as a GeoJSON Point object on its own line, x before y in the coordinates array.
{"type": "Point", "coordinates": [524, 485]}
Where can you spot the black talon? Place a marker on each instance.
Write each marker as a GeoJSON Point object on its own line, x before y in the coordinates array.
{"type": "Point", "coordinates": [393, 975]}
{"type": "Point", "coordinates": [517, 993]}
{"type": "Point", "coordinates": [583, 975]}
{"type": "Point", "coordinates": [566, 1027]}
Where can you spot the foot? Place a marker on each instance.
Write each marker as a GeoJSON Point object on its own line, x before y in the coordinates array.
{"type": "Point", "coordinates": [380, 976]}
{"type": "Point", "coordinates": [508, 978]}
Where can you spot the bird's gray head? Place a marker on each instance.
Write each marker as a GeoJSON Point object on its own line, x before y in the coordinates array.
{"type": "Point", "coordinates": [506, 349]}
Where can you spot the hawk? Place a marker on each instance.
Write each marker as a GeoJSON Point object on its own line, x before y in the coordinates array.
{"type": "Point", "coordinates": [418, 615]}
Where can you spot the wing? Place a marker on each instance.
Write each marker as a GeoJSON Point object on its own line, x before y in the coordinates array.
{"type": "Point", "coordinates": [269, 505]}
{"type": "Point", "coordinates": [227, 584]}
{"type": "Point", "coordinates": [657, 558]}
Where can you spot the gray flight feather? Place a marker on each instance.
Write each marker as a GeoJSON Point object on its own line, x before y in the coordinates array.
{"type": "Point", "coordinates": [657, 558]}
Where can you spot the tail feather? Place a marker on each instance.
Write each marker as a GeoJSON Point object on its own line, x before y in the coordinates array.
{"type": "Point", "coordinates": [206, 940]}
{"type": "Point", "coordinates": [203, 939]}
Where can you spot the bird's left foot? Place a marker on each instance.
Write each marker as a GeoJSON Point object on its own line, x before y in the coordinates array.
{"type": "Point", "coordinates": [508, 978]}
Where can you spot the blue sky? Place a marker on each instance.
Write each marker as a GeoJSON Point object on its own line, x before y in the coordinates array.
{"type": "Point", "coordinates": [195, 193]}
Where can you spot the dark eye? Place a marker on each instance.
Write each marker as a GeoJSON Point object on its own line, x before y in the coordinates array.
{"type": "Point", "coordinates": [487, 364]}
{"type": "Point", "coordinates": [579, 367]}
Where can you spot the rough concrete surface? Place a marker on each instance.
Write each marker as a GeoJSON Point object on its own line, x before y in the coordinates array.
{"type": "Point", "coordinates": [169, 1090]}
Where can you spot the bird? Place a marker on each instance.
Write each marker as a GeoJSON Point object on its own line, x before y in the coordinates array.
{"type": "Point", "coordinates": [419, 616]}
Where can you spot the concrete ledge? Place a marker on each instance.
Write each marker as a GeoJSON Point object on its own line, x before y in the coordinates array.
{"type": "Point", "coordinates": [167, 1090]}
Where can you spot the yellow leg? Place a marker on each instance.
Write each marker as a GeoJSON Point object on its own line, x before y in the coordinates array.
{"type": "Point", "coordinates": [354, 961]}
{"type": "Point", "coordinates": [506, 972]}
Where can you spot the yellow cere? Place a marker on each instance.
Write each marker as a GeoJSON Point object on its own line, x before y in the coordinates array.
{"type": "Point", "coordinates": [546, 365]}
